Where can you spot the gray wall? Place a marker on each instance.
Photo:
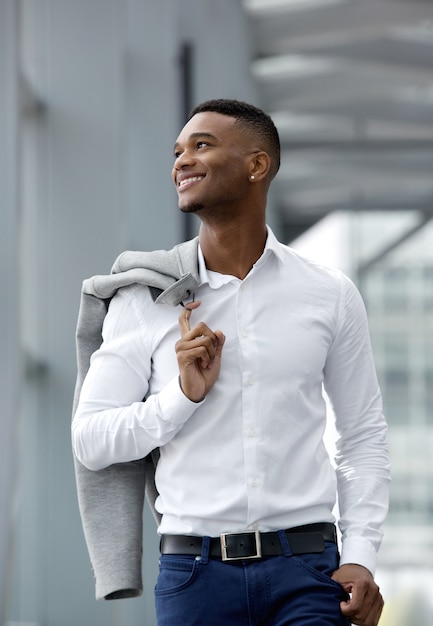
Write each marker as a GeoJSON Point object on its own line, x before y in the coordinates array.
{"type": "Point", "coordinates": [86, 175]}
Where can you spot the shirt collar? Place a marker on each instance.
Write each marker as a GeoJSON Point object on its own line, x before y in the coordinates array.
{"type": "Point", "coordinates": [215, 280]}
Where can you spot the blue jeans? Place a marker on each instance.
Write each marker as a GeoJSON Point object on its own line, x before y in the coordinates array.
{"type": "Point", "coordinates": [276, 591]}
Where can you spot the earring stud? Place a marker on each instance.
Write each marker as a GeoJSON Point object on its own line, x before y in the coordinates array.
{"type": "Point", "coordinates": [252, 177]}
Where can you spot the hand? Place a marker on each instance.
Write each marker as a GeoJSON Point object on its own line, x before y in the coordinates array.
{"type": "Point", "coordinates": [366, 603]}
{"type": "Point", "coordinates": [198, 354]}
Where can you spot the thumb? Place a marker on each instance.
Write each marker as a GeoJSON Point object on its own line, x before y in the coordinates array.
{"type": "Point", "coordinates": [184, 318]}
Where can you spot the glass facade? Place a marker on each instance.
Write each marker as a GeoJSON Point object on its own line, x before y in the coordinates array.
{"type": "Point", "coordinates": [391, 261]}
{"type": "Point", "coordinates": [398, 291]}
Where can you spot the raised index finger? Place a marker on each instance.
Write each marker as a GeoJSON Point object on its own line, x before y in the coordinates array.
{"type": "Point", "coordinates": [184, 317]}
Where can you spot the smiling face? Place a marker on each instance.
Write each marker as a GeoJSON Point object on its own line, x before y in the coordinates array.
{"type": "Point", "coordinates": [212, 163]}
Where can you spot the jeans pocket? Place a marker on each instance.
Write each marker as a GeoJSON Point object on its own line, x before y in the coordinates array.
{"type": "Point", "coordinates": [322, 566]}
{"type": "Point", "coordinates": [176, 573]}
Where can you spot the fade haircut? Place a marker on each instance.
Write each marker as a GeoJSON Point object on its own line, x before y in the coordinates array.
{"type": "Point", "coordinates": [252, 119]}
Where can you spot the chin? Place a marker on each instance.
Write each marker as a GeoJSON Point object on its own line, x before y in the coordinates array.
{"type": "Point", "coordinates": [191, 208]}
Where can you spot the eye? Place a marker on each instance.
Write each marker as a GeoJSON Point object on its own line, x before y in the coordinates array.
{"type": "Point", "coordinates": [202, 144]}
{"type": "Point", "coordinates": [177, 154]}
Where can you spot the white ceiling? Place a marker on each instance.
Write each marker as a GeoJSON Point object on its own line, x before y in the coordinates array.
{"type": "Point", "coordinates": [350, 86]}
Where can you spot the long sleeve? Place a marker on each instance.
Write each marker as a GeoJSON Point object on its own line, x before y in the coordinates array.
{"type": "Point", "coordinates": [113, 423]}
{"type": "Point", "coordinates": [363, 470]}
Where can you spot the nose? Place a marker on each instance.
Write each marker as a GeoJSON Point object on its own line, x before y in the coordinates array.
{"type": "Point", "coordinates": [183, 159]}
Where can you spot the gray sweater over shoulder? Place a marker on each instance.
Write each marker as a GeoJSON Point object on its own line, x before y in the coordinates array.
{"type": "Point", "coordinates": [111, 500]}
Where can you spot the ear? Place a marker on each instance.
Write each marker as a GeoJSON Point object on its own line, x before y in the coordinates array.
{"type": "Point", "coordinates": [259, 166]}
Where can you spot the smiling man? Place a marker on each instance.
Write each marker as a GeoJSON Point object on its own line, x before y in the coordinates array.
{"type": "Point", "coordinates": [233, 400]}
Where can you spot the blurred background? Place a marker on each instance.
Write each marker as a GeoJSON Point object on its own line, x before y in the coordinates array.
{"type": "Point", "coordinates": [92, 95]}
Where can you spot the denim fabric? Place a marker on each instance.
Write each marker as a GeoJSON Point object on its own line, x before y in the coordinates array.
{"type": "Point", "coordinates": [276, 591]}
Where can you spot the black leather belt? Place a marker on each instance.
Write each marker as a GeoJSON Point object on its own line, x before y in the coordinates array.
{"type": "Point", "coordinates": [253, 544]}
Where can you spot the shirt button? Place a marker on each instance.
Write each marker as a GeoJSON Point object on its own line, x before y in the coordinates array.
{"type": "Point", "coordinates": [255, 482]}
{"type": "Point", "coordinates": [250, 381]}
{"type": "Point", "coordinates": [253, 433]}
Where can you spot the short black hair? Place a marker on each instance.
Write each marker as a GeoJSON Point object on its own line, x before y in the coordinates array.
{"type": "Point", "coordinates": [253, 119]}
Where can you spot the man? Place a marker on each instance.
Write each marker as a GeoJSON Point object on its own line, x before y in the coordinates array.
{"type": "Point", "coordinates": [233, 389]}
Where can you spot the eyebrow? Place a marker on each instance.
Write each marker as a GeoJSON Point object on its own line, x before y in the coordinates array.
{"type": "Point", "coordinates": [197, 136]}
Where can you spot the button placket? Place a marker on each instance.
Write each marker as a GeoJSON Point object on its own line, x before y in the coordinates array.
{"type": "Point", "coordinates": [250, 363]}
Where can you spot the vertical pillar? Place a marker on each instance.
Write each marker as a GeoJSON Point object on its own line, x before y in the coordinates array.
{"type": "Point", "coordinates": [186, 89]}
{"type": "Point", "coordinates": [9, 364]}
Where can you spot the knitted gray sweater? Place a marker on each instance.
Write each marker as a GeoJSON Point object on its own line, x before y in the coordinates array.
{"type": "Point", "coordinates": [111, 500]}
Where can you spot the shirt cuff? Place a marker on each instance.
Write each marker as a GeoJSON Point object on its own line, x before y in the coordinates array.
{"type": "Point", "coordinates": [175, 406]}
{"type": "Point", "coordinates": [358, 551]}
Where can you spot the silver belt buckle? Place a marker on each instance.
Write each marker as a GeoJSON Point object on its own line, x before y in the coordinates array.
{"type": "Point", "coordinates": [224, 549]}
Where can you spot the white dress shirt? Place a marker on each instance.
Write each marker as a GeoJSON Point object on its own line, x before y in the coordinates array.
{"type": "Point", "coordinates": [251, 455]}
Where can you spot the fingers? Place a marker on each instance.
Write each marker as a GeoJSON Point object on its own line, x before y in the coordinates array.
{"type": "Point", "coordinates": [366, 603]}
{"type": "Point", "coordinates": [198, 353]}
{"type": "Point", "coordinates": [202, 342]}
{"type": "Point", "coordinates": [201, 349]}
{"type": "Point", "coordinates": [365, 614]}
{"type": "Point", "coordinates": [199, 343]}
{"type": "Point", "coordinates": [220, 342]}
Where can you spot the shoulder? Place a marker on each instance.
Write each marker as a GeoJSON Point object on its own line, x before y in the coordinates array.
{"type": "Point", "coordinates": [306, 267]}
{"type": "Point", "coordinates": [319, 283]}
{"type": "Point", "coordinates": [134, 297]}
{"type": "Point", "coordinates": [128, 314]}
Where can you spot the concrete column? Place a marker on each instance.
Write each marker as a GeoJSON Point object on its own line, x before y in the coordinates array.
{"type": "Point", "coordinates": [9, 309]}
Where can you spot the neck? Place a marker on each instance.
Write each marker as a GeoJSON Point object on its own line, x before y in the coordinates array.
{"type": "Point", "coordinates": [233, 250]}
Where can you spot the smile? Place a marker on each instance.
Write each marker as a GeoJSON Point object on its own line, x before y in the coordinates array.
{"type": "Point", "coordinates": [192, 179]}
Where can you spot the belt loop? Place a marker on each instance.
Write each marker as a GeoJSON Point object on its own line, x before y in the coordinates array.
{"type": "Point", "coordinates": [205, 548]}
{"type": "Point", "coordinates": [285, 543]}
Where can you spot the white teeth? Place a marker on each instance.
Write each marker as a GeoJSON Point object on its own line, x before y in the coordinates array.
{"type": "Point", "coordinates": [193, 179]}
